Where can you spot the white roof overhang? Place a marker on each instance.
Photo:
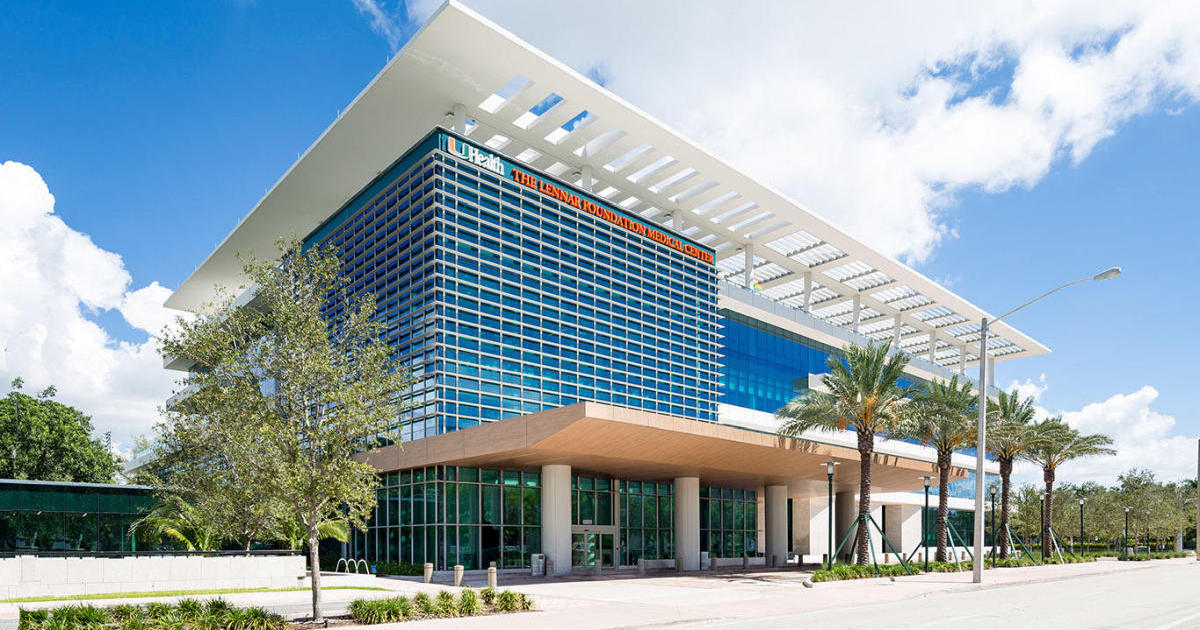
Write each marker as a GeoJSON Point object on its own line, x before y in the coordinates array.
{"type": "Point", "coordinates": [523, 104]}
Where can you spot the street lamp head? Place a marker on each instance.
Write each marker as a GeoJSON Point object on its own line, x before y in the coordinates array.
{"type": "Point", "coordinates": [992, 489]}
{"type": "Point", "coordinates": [1126, 510]}
{"type": "Point", "coordinates": [1080, 501]}
{"type": "Point", "coordinates": [1107, 274]}
{"type": "Point", "coordinates": [829, 467]}
{"type": "Point", "coordinates": [927, 479]}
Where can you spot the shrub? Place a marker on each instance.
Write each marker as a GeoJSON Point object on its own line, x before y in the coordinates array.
{"type": "Point", "coordinates": [189, 608]}
{"type": "Point", "coordinates": [468, 603]}
{"type": "Point", "coordinates": [217, 606]}
{"type": "Point", "coordinates": [398, 568]}
{"type": "Point", "coordinates": [526, 602]}
{"type": "Point", "coordinates": [446, 605]}
{"type": "Point", "coordinates": [31, 619]}
{"type": "Point", "coordinates": [425, 605]}
{"type": "Point", "coordinates": [367, 611]}
{"type": "Point", "coordinates": [858, 572]}
{"type": "Point", "coordinates": [157, 610]}
{"type": "Point", "coordinates": [254, 618]}
{"type": "Point", "coordinates": [508, 601]}
{"type": "Point", "coordinates": [77, 616]}
{"type": "Point", "coordinates": [488, 595]}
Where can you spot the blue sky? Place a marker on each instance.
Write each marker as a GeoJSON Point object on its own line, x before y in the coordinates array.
{"type": "Point", "coordinates": [157, 126]}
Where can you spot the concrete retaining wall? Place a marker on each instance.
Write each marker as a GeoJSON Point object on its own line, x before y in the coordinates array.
{"type": "Point", "coordinates": [34, 576]}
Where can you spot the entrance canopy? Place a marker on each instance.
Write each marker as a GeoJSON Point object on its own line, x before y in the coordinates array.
{"type": "Point", "coordinates": [633, 444]}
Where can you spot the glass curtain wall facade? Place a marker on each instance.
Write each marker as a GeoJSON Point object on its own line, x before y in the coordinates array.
{"type": "Point", "coordinates": [66, 517]}
{"type": "Point", "coordinates": [451, 515]}
{"type": "Point", "coordinates": [507, 293]}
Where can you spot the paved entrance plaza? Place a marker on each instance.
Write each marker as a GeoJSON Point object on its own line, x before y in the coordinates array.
{"type": "Point", "coordinates": [1107, 594]}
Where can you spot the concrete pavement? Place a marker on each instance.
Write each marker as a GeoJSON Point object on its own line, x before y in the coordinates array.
{"type": "Point", "coordinates": [1105, 594]}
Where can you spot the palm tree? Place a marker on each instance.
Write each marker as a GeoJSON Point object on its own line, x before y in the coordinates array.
{"type": "Point", "coordinates": [941, 417]}
{"type": "Point", "coordinates": [1054, 443]}
{"type": "Point", "coordinates": [1008, 438]}
{"type": "Point", "coordinates": [294, 536]}
{"type": "Point", "coordinates": [864, 395]}
{"type": "Point", "coordinates": [173, 518]}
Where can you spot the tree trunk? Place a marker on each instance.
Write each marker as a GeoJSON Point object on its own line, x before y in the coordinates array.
{"type": "Point", "coordinates": [1048, 477]}
{"type": "Point", "coordinates": [315, 563]}
{"type": "Point", "coordinates": [1006, 466]}
{"type": "Point", "coordinates": [866, 449]}
{"type": "Point", "coordinates": [943, 503]}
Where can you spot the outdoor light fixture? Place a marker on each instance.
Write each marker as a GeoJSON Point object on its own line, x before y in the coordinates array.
{"type": "Point", "coordinates": [1125, 540]}
{"type": "Point", "coordinates": [1082, 540]}
{"type": "Point", "coordinates": [981, 424]}
{"type": "Point", "coordinates": [829, 554]}
{"type": "Point", "coordinates": [992, 491]}
{"type": "Point", "coordinates": [924, 523]}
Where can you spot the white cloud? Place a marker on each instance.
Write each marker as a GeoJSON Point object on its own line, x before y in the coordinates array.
{"type": "Point", "coordinates": [878, 116]}
{"type": "Point", "coordinates": [1142, 437]}
{"type": "Point", "coordinates": [53, 281]}
{"type": "Point", "coordinates": [383, 22]}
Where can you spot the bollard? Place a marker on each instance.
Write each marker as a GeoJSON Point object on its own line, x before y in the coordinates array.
{"type": "Point", "coordinates": [428, 572]}
{"type": "Point", "coordinates": [745, 561]}
{"type": "Point", "coordinates": [492, 575]}
{"type": "Point", "coordinates": [712, 563]}
{"type": "Point", "coordinates": [549, 566]}
{"type": "Point", "coordinates": [774, 561]}
{"type": "Point", "coordinates": [641, 566]}
{"type": "Point", "coordinates": [596, 569]}
{"type": "Point", "coordinates": [458, 573]}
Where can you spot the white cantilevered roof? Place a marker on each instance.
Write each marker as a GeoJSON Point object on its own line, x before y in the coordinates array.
{"type": "Point", "coordinates": [523, 104]}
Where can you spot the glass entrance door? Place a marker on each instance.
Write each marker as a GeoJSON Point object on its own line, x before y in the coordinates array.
{"type": "Point", "coordinates": [589, 547]}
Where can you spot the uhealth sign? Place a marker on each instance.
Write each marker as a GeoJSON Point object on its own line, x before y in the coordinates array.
{"type": "Point", "coordinates": [503, 168]}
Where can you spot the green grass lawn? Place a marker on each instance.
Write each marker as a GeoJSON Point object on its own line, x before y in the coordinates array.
{"type": "Point", "coordinates": [215, 591]}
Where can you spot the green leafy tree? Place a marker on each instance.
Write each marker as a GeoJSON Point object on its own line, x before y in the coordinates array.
{"type": "Point", "coordinates": [294, 383]}
{"type": "Point", "coordinates": [864, 395]}
{"type": "Point", "coordinates": [43, 439]}
{"type": "Point", "coordinates": [1008, 438]}
{"type": "Point", "coordinates": [942, 417]}
{"type": "Point", "coordinates": [1054, 443]}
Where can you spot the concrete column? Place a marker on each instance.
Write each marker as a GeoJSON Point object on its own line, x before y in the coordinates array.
{"type": "Point", "coordinates": [586, 173]}
{"type": "Point", "coordinates": [807, 291]}
{"type": "Point", "coordinates": [896, 332]}
{"type": "Point", "coordinates": [556, 516]}
{"type": "Point", "coordinates": [775, 513]}
{"type": "Point", "coordinates": [687, 523]}
{"type": "Point", "coordinates": [991, 370]}
{"type": "Point", "coordinates": [460, 118]}
{"type": "Point", "coordinates": [748, 274]}
{"type": "Point", "coordinates": [932, 346]}
{"type": "Point", "coordinates": [857, 311]}
{"type": "Point", "coordinates": [845, 511]}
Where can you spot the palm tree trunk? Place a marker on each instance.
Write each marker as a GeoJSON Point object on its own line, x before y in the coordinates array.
{"type": "Point", "coordinates": [866, 449]}
{"type": "Point", "coordinates": [943, 503]}
{"type": "Point", "coordinates": [314, 561]}
{"type": "Point", "coordinates": [1006, 466]}
{"type": "Point", "coordinates": [1048, 477]}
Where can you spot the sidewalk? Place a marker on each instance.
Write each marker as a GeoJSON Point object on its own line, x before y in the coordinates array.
{"type": "Point", "coordinates": [633, 602]}
{"type": "Point", "coordinates": [626, 600]}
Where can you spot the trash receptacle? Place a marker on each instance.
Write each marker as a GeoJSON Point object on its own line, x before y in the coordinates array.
{"type": "Point", "coordinates": [537, 564]}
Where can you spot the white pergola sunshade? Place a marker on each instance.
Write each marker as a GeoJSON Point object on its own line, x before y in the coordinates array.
{"type": "Point", "coordinates": [461, 70]}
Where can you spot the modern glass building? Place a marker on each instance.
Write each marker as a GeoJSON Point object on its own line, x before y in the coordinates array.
{"type": "Point", "coordinates": [49, 516]}
{"type": "Point", "coordinates": [602, 318]}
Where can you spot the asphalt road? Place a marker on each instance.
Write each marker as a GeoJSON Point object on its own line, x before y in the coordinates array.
{"type": "Point", "coordinates": [1158, 598]}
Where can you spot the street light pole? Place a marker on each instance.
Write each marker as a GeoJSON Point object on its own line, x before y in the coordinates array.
{"type": "Point", "coordinates": [992, 490]}
{"type": "Point", "coordinates": [1082, 540]}
{"type": "Point", "coordinates": [925, 524]}
{"type": "Point", "coordinates": [829, 472]}
{"type": "Point", "coordinates": [1125, 541]}
{"type": "Point", "coordinates": [981, 429]}
{"type": "Point", "coordinates": [1042, 527]}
